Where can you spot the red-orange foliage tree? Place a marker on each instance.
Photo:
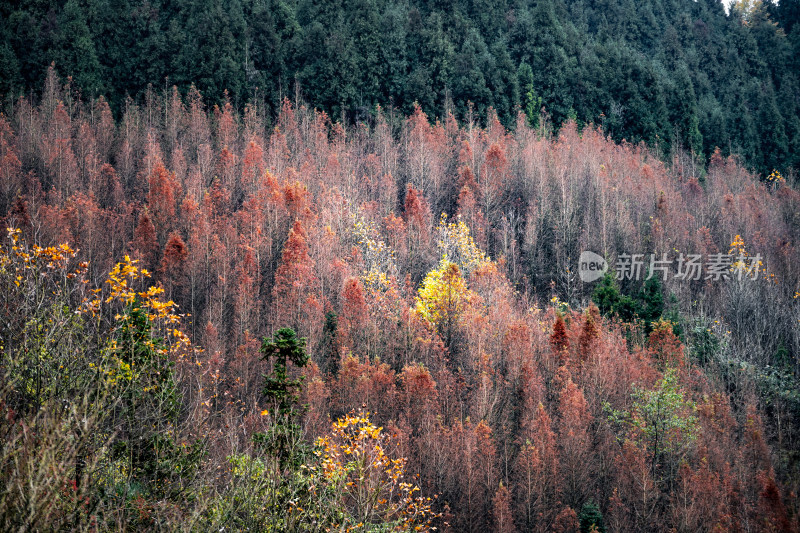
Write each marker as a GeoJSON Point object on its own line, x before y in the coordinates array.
{"type": "Point", "coordinates": [162, 198]}
{"type": "Point", "coordinates": [574, 442]}
{"type": "Point", "coordinates": [503, 519]}
{"type": "Point", "coordinates": [295, 282]}
{"type": "Point", "coordinates": [10, 166]}
{"type": "Point", "coordinates": [173, 267]}
{"type": "Point", "coordinates": [145, 241]}
{"type": "Point", "coordinates": [536, 480]}
{"type": "Point", "coordinates": [353, 318]}
{"type": "Point", "coordinates": [559, 340]}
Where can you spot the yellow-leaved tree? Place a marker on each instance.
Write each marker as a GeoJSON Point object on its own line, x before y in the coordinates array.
{"type": "Point", "coordinates": [356, 470]}
{"type": "Point", "coordinates": [442, 299]}
{"type": "Point", "coordinates": [444, 294]}
{"type": "Point", "coordinates": [92, 408]}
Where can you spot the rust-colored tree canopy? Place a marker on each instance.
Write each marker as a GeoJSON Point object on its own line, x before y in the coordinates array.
{"type": "Point", "coordinates": [467, 360]}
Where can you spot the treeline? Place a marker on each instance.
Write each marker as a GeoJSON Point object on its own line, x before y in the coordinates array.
{"type": "Point", "coordinates": [669, 73]}
{"type": "Point", "coordinates": [432, 268]}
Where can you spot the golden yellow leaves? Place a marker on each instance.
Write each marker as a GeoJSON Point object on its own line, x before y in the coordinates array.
{"type": "Point", "coordinates": [774, 180]}
{"type": "Point", "coordinates": [14, 234]}
{"type": "Point", "coordinates": [33, 270]}
{"type": "Point", "coordinates": [51, 258]}
{"type": "Point", "coordinates": [443, 295]}
{"type": "Point", "coordinates": [355, 465]}
{"type": "Point", "coordinates": [123, 274]}
{"type": "Point", "coordinates": [121, 280]}
{"type": "Point", "coordinates": [737, 246]}
{"type": "Point", "coordinates": [743, 264]}
{"type": "Point", "coordinates": [29, 263]}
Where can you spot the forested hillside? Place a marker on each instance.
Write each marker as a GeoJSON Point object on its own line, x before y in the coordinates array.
{"type": "Point", "coordinates": [672, 73]}
{"type": "Point", "coordinates": [322, 266]}
{"type": "Point", "coordinates": [445, 367]}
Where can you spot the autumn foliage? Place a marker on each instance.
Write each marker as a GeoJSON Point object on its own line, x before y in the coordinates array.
{"type": "Point", "coordinates": [472, 343]}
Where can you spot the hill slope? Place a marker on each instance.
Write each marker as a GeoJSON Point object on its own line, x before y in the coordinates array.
{"type": "Point", "coordinates": [671, 73]}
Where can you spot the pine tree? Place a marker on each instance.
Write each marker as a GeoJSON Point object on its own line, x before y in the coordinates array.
{"type": "Point", "coordinates": [74, 50]}
{"type": "Point", "coordinates": [591, 519]}
{"type": "Point", "coordinates": [284, 438]}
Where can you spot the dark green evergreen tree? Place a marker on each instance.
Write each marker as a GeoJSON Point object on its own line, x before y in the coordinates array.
{"type": "Point", "coordinates": [370, 70]}
{"type": "Point", "coordinates": [503, 83]}
{"type": "Point", "coordinates": [591, 519]}
{"type": "Point", "coordinates": [394, 54]}
{"type": "Point", "coordinates": [271, 37]}
{"type": "Point", "coordinates": [652, 301]}
{"type": "Point", "coordinates": [279, 388]}
{"type": "Point", "coordinates": [212, 52]}
{"type": "Point", "coordinates": [10, 77]}
{"type": "Point", "coordinates": [148, 409]}
{"type": "Point", "coordinates": [328, 344]}
{"type": "Point", "coordinates": [682, 105]}
{"type": "Point", "coordinates": [611, 302]}
{"type": "Point", "coordinates": [774, 146]}
{"type": "Point", "coordinates": [284, 438]}
{"type": "Point", "coordinates": [531, 103]}
{"type": "Point", "coordinates": [329, 68]}
{"type": "Point", "coordinates": [470, 64]}
{"type": "Point", "coordinates": [659, 71]}
{"type": "Point", "coordinates": [74, 51]}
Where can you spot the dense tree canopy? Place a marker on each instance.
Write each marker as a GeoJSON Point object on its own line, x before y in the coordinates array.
{"type": "Point", "coordinates": [229, 311]}
{"type": "Point", "coordinates": [670, 73]}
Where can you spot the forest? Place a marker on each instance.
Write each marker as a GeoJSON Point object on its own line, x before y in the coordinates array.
{"type": "Point", "coordinates": [670, 73]}
{"type": "Point", "coordinates": [232, 302]}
